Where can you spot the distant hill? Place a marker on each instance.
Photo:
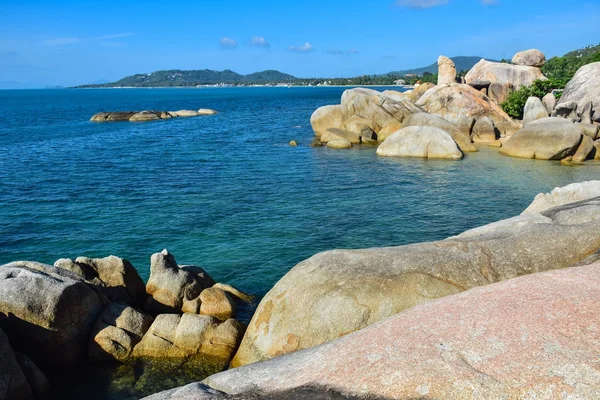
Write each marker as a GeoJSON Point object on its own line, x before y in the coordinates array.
{"type": "Point", "coordinates": [462, 63]}
{"type": "Point", "coordinates": [176, 77]}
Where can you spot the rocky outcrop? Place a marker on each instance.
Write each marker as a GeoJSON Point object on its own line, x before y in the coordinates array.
{"type": "Point", "coordinates": [498, 92]}
{"type": "Point", "coordinates": [171, 285]}
{"type": "Point", "coordinates": [584, 87]}
{"type": "Point", "coordinates": [549, 102]}
{"type": "Point", "coordinates": [484, 131]}
{"type": "Point", "coordinates": [13, 383]}
{"type": "Point", "coordinates": [339, 143]}
{"type": "Point", "coordinates": [530, 58]}
{"type": "Point", "coordinates": [421, 142]}
{"type": "Point", "coordinates": [341, 291]}
{"type": "Point", "coordinates": [564, 195]}
{"type": "Point", "coordinates": [424, 119]}
{"type": "Point", "coordinates": [504, 74]}
{"type": "Point", "coordinates": [47, 312]}
{"type": "Point", "coordinates": [141, 116]}
{"type": "Point", "coordinates": [446, 71]}
{"type": "Point", "coordinates": [388, 130]}
{"type": "Point", "coordinates": [339, 133]}
{"type": "Point", "coordinates": [360, 126]}
{"type": "Point", "coordinates": [419, 91]}
{"type": "Point", "coordinates": [457, 103]}
{"type": "Point", "coordinates": [327, 117]}
{"type": "Point", "coordinates": [116, 278]}
{"type": "Point", "coordinates": [531, 337]}
{"type": "Point", "coordinates": [534, 110]}
{"type": "Point", "coordinates": [118, 330]}
{"type": "Point", "coordinates": [217, 303]}
{"type": "Point", "coordinates": [544, 139]}
{"type": "Point", "coordinates": [567, 110]}
{"type": "Point", "coordinates": [584, 150]}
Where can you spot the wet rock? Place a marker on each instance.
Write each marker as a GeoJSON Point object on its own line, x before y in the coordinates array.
{"type": "Point", "coordinates": [338, 133]}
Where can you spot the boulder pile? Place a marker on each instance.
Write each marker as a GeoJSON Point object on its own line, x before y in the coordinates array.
{"type": "Point", "coordinates": [90, 310]}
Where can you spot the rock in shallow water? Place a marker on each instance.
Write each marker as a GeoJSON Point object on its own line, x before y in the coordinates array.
{"type": "Point", "coordinates": [421, 142]}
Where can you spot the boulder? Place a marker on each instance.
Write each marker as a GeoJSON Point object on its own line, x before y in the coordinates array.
{"type": "Point", "coordinates": [216, 303]}
{"type": "Point", "coordinates": [187, 113]}
{"type": "Point", "coordinates": [544, 139]}
{"type": "Point", "coordinates": [586, 113]}
{"type": "Point", "coordinates": [115, 277]}
{"type": "Point", "coordinates": [534, 110]}
{"type": "Point", "coordinates": [339, 143]}
{"type": "Point", "coordinates": [118, 330]}
{"type": "Point", "coordinates": [169, 285]}
{"type": "Point", "coordinates": [564, 195]}
{"type": "Point", "coordinates": [338, 292]}
{"type": "Point", "coordinates": [549, 102]}
{"type": "Point", "coordinates": [37, 380]}
{"type": "Point", "coordinates": [395, 95]}
{"type": "Point", "coordinates": [47, 312]}
{"type": "Point", "coordinates": [498, 92]}
{"type": "Point", "coordinates": [327, 117]}
{"type": "Point", "coordinates": [457, 103]}
{"type": "Point", "coordinates": [120, 116]}
{"type": "Point", "coordinates": [419, 91]}
{"type": "Point", "coordinates": [338, 133]}
{"type": "Point", "coordinates": [293, 143]}
{"type": "Point", "coordinates": [361, 126]}
{"type": "Point", "coordinates": [235, 293]}
{"type": "Point", "coordinates": [484, 131]}
{"type": "Point", "coordinates": [516, 75]}
{"type": "Point", "coordinates": [420, 142]}
{"type": "Point", "coordinates": [143, 116]}
{"type": "Point", "coordinates": [446, 71]}
{"type": "Point", "coordinates": [584, 150]}
{"type": "Point", "coordinates": [13, 383]}
{"type": "Point", "coordinates": [531, 58]}
{"type": "Point", "coordinates": [388, 130]}
{"type": "Point", "coordinates": [584, 87]}
{"type": "Point", "coordinates": [423, 119]}
{"type": "Point", "coordinates": [190, 339]}
{"type": "Point", "coordinates": [567, 110]}
{"type": "Point", "coordinates": [533, 337]}
{"type": "Point", "coordinates": [100, 117]}
{"type": "Point", "coordinates": [206, 111]}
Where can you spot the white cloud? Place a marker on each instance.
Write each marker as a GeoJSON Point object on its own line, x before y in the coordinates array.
{"type": "Point", "coordinates": [305, 48]}
{"type": "Point", "coordinates": [259, 41]}
{"type": "Point", "coordinates": [227, 43]}
{"type": "Point", "coordinates": [421, 3]}
{"type": "Point", "coordinates": [115, 36]}
{"type": "Point", "coordinates": [61, 41]}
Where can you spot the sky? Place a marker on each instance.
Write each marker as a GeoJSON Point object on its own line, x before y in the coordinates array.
{"type": "Point", "coordinates": [68, 42]}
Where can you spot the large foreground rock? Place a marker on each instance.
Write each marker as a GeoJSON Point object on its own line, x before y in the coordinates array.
{"type": "Point", "coordinates": [545, 139]}
{"type": "Point", "coordinates": [420, 142]}
{"type": "Point", "coordinates": [564, 195]}
{"type": "Point", "coordinates": [533, 337]}
{"type": "Point", "coordinates": [337, 292]}
{"type": "Point", "coordinates": [584, 87]}
{"type": "Point", "coordinates": [13, 383]}
{"type": "Point", "coordinates": [458, 102]}
{"type": "Point", "coordinates": [47, 312]}
{"type": "Point", "coordinates": [495, 72]}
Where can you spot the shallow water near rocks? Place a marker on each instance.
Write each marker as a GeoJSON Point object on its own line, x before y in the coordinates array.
{"type": "Point", "coordinates": [226, 192]}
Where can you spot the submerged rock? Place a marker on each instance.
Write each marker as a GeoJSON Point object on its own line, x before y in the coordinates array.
{"type": "Point", "coordinates": [337, 292]}
{"type": "Point", "coordinates": [421, 142]}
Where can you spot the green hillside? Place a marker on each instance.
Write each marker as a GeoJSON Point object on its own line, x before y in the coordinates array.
{"type": "Point", "coordinates": [462, 63]}
{"type": "Point", "coordinates": [563, 68]}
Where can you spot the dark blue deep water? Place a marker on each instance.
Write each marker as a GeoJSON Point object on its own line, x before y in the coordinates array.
{"type": "Point", "coordinates": [226, 192]}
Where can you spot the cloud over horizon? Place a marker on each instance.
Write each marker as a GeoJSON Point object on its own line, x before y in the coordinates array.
{"type": "Point", "coordinates": [227, 43]}
{"type": "Point", "coordinates": [259, 41]}
{"type": "Point", "coordinates": [305, 48]}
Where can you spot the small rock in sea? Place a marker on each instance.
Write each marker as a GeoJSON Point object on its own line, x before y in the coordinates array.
{"type": "Point", "coordinates": [206, 111]}
{"type": "Point", "coordinates": [339, 143]}
{"type": "Point", "coordinates": [293, 143]}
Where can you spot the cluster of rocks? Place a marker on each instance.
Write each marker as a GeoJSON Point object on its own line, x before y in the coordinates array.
{"type": "Point", "coordinates": [507, 310]}
{"type": "Point", "coordinates": [444, 121]}
{"type": "Point", "coordinates": [146, 115]}
{"type": "Point", "coordinates": [99, 310]}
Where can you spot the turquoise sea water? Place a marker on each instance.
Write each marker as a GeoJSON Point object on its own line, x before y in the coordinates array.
{"type": "Point", "coordinates": [226, 192]}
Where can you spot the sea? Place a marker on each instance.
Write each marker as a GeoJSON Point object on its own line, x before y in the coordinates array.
{"type": "Point", "coordinates": [226, 192]}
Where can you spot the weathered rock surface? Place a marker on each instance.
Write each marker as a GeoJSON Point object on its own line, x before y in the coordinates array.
{"type": "Point", "coordinates": [134, 116]}
{"type": "Point", "coordinates": [360, 126]}
{"type": "Point", "coordinates": [169, 285]}
{"type": "Point", "coordinates": [484, 131]}
{"type": "Point", "coordinates": [544, 139]}
{"type": "Point", "coordinates": [516, 75]}
{"type": "Point", "coordinates": [421, 142]}
{"type": "Point", "coordinates": [564, 195]}
{"type": "Point", "coordinates": [13, 383]}
{"type": "Point", "coordinates": [143, 116]}
{"type": "Point", "coordinates": [534, 110]}
{"type": "Point", "coordinates": [419, 91]}
{"type": "Point", "coordinates": [339, 143]}
{"type": "Point", "coordinates": [388, 130]}
{"type": "Point", "coordinates": [566, 109]}
{"type": "Point", "coordinates": [216, 303]}
{"type": "Point", "coordinates": [584, 150]}
{"type": "Point", "coordinates": [327, 117]}
{"type": "Point", "coordinates": [499, 92]}
{"type": "Point", "coordinates": [532, 337]}
{"type": "Point", "coordinates": [531, 58]}
{"type": "Point", "coordinates": [339, 133]}
{"type": "Point", "coordinates": [424, 119]}
{"type": "Point", "coordinates": [118, 330]}
{"type": "Point", "coordinates": [337, 292]}
{"type": "Point", "coordinates": [446, 71]}
{"type": "Point", "coordinates": [47, 312]}
{"type": "Point", "coordinates": [459, 102]}
{"type": "Point", "coordinates": [185, 113]}
{"type": "Point", "coordinates": [37, 380]}
{"type": "Point", "coordinates": [395, 95]}
{"type": "Point", "coordinates": [112, 116]}
{"type": "Point", "coordinates": [584, 87]}
{"type": "Point", "coordinates": [549, 102]}
{"type": "Point", "coordinates": [115, 277]}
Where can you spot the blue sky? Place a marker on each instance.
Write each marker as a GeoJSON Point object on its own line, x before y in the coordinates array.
{"type": "Point", "coordinates": [72, 42]}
